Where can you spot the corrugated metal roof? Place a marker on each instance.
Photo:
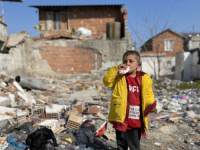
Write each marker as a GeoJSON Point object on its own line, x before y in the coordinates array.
{"type": "Point", "coordinates": [38, 6]}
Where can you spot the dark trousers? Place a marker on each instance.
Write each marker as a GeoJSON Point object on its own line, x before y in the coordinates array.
{"type": "Point", "coordinates": [130, 138]}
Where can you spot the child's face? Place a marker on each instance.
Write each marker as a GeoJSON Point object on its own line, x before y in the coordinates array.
{"type": "Point", "coordinates": [132, 62]}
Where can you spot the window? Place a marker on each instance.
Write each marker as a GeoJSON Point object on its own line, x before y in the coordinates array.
{"type": "Point", "coordinates": [173, 69]}
{"type": "Point", "coordinates": [56, 20]}
{"type": "Point", "coordinates": [169, 63]}
{"type": "Point", "coordinates": [169, 45]}
{"type": "Point", "coordinates": [49, 20]}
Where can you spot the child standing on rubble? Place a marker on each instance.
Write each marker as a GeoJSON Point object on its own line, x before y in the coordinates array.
{"type": "Point", "coordinates": [131, 102]}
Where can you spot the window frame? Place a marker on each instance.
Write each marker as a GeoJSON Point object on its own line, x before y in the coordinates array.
{"type": "Point", "coordinates": [169, 46]}
{"type": "Point", "coordinates": [56, 20]}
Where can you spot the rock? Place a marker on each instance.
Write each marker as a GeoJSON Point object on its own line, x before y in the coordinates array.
{"type": "Point", "coordinates": [169, 129]}
{"type": "Point", "coordinates": [85, 95]}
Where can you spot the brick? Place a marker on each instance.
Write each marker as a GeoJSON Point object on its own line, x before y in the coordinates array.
{"type": "Point", "coordinates": [38, 110]}
{"type": "Point", "coordinates": [53, 115]}
{"type": "Point", "coordinates": [74, 122]}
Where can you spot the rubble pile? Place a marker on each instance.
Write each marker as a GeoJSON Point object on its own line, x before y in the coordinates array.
{"type": "Point", "coordinates": [75, 111]}
{"type": "Point", "coordinates": [69, 115]}
{"type": "Point", "coordinates": [175, 121]}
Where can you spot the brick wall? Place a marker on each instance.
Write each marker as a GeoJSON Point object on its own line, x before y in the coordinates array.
{"type": "Point", "coordinates": [93, 18]}
{"type": "Point", "coordinates": [156, 45]}
{"type": "Point", "coordinates": [70, 59]}
{"type": "Point", "coordinates": [147, 47]}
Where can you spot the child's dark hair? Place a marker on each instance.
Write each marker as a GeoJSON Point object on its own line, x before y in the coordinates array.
{"type": "Point", "coordinates": [135, 53]}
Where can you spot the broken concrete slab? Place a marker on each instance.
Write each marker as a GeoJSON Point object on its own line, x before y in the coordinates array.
{"type": "Point", "coordinates": [50, 124]}
{"type": "Point", "coordinates": [26, 97]}
{"type": "Point", "coordinates": [15, 39]}
{"type": "Point", "coordinates": [4, 101]}
{"type": "Point", "coordinates": [85, 95]}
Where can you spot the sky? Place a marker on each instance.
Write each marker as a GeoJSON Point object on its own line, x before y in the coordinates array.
{"type": "Point", "coordinates": [143, 15]}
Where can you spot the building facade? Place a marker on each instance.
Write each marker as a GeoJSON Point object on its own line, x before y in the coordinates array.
{"type": "Point", "coordinates": [158, 53]}
{"type": "Point", "coordinates": [55, 20]}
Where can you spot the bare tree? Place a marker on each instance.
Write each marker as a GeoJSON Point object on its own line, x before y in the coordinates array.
{"type": "Point", "coordinates": [152, 26]}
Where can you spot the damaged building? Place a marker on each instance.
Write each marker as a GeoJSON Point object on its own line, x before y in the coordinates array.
{"type": "Point", "coordinates": [188, 63]}
{"type": "Point", "coordinates": [60, 50]}
{"type": "Point", "coordinates": [3, 31]}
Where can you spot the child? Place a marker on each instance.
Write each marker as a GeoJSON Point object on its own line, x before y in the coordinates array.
{"type": "Point", "coordinates": [131, 102]}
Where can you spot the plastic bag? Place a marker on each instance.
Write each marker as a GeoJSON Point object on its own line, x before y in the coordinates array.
{"type": "Point", "coordinates": [14, 144]}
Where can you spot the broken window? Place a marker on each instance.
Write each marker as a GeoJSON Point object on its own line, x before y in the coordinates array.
{"type": "Point", "coordinates": [57, 20]}
{"type": "Point", "coordinates": [169, 45]}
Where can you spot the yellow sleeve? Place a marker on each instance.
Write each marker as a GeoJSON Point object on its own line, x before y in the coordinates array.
{"type": "Point", "coordinates": [150, 95]}
{"type": "Point", "coordinates": [110, 77]}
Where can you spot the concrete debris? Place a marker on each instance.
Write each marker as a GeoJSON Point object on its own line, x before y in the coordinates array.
{"type": "Point", "coordinates": [50, 124]}
{"type": "Point", "coordinates": [76, 113]}
{"type": "Point", "coordinates": [32, 83]}
{"type": "Point", "coordinates": [15, 39]}
{"type": "Point", "coordinates": [175, 118]}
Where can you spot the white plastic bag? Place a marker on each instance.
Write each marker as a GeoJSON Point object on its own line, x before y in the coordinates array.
{"type": "Point", "coordinates": [83, 32]}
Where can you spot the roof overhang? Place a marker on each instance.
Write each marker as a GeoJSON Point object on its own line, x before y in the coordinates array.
{"type": "Point", "coordinates": [13, 0]}
{"type": "Point", "coordinates": [169, 30]}
{"type": "Point", "coordinates": [1, 22]}
{"type": "Point", "coordinates": [48, 6]}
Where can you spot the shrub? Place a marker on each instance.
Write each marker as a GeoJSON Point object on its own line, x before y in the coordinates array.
{"type": "Point", "coordinates": [184, 85]}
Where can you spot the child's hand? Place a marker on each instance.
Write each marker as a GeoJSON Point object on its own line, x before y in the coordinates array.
{"type": "Point", "coordinates": [122, 66]}
{"type": "Point", "coordinates": [150, 108]}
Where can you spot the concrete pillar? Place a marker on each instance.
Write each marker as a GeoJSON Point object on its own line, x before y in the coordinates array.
{"type": "Point", "coordinates": [179, 65]}
{"type": "Point", "coordinates": [198, 71]}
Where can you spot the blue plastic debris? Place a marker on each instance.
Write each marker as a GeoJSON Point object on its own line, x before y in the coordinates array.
{"type": "Point", "coordinates": [14, 144]}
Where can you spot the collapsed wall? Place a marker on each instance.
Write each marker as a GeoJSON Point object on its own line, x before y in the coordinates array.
{"type": "Point", "coordinates": [22, 60]}
{"type": "Point", "coordinates": [79, 58]}
{"type": "Point", "coordinates": [14, 62]}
